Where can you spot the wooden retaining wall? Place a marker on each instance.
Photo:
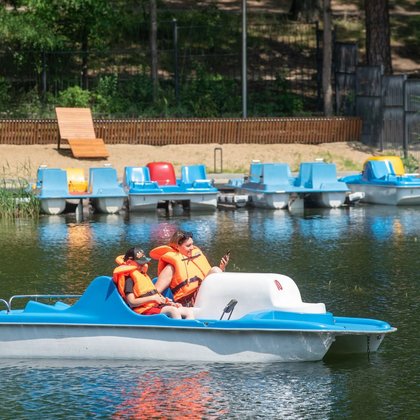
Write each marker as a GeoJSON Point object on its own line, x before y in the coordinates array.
{"type": "Point", "coordinates": [159, 132]}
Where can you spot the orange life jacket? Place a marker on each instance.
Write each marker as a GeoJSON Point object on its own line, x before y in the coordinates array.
{"type": "Point", "coordinates": [143, 285]}
{"type": "Point", "coordinates": [189, 272]}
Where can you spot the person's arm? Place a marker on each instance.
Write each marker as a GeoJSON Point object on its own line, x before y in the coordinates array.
{"type": "Point", "coordinates": [134, 302]}
{"type": "Point", "coordinates": [165, 278]}
{"type": "Point", "coordinates": [224, 261]}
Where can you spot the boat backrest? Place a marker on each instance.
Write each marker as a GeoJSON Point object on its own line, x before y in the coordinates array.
{"type": "Point", "coordinates": [52, 182]}
{"type": "Point", "coordinates": [104, 181]}
{"type": "Point", "coordinates": [162, 172]}
{"type": "Point", "coordinates": [396, 162]}
{"type": "Point", "coordinates": [253, 292]}
{"type": "Point", "coordinates": [102, 298]}
{"type": "Point", "coordinates": [136, 175]}
{"type": "Point", "coordinates": [255, 172]}
{"type": "Point", "coordinates": [276, 174]}
{"type": "Point", "coordinates": [316, 175]}
{"type": "Point", "coordinates": [76, 180]}
{"type": "Point", "coordinates": [192, 173]}
{"type": "Point", "coordinates": [377, 169]}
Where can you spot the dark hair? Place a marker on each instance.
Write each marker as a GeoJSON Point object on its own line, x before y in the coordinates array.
{"type": "Point", "coordinates": [179, 237]}
{"type": "Point", "coordinates": [131, 254]}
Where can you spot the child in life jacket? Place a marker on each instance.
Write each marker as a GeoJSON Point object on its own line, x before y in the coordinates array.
{"type": "Point", "coordinates": [138, 290]}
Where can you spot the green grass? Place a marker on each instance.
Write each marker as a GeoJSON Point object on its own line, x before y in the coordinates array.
{"type": "Point", "coordinates": [16, 197]}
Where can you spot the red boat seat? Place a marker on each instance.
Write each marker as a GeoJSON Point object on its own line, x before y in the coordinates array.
{"type": "Point", "coordinates": [162, 172]}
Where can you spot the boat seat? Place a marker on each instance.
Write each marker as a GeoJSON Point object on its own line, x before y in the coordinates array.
{"type": "Point", "coordinates": [52, 182]}
{"type": "Point", "coordinates": [195, 176]}
{"type": "Point", "coordinates": [138, 177]}
{"type": "Point", "coordinates": [255, 172]}
{"type": "Point", "coordinates": [104, 181]}
{"type": "Point", "coordinates": [377, 169]}
{"type": "Point", "coordinates": [76, 180]}
{"type": "Point", "coordinates": [318, 175]}
{"type": "Point", "coordinates": [276, 174]}
{"type": "Point", "coordinates": [162, 172]}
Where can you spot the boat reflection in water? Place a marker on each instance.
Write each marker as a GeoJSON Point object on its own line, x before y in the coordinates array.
{"type": "Point", "coordinates": [157, 395]}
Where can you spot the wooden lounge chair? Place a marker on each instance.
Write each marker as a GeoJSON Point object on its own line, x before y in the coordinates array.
{"type": "Point", "coordinates": [76, 127]}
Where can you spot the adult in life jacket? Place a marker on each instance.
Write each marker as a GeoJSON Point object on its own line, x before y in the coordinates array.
{"type": "Point", "coordinates": [138, 290]}
{"type": "Point", "coordinates": [182, 267]}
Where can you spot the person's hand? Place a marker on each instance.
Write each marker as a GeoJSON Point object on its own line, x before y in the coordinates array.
{"type": "Point", "coordinates": [224, 261]}
{"type": "Point", "coordinates": [159, 299]}
{"type": "Point", "coordinates": [172, 303]}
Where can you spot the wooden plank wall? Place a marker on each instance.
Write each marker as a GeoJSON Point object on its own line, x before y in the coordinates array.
{"type": "Point", "coordinates": [159, 132]}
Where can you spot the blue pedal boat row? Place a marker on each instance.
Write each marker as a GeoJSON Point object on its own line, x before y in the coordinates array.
{"type": "Point", "coordinates": [145, 188]}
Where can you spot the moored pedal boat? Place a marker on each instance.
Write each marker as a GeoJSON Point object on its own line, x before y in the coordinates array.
{"type": "Point", "coordinates": [384, 181]}
{"type": "Point", "coordinates": [272, 186]}
{"type": "Point", "coordinates": [240, 317]}
{"type": "Point", "coordinates": [156, 184]}
{"type": "Point", "coordinates": [57, 188]}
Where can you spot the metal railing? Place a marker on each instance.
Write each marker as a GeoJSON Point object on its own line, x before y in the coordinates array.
{"type": "Point", "coordinates": [36, 297]}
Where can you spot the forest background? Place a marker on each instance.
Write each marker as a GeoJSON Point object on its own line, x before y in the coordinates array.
{"type": "Point", "coordinates": [101, 54]}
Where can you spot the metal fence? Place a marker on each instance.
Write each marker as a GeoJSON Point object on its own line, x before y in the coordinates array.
{"type": "Point", "coordinates": [277, 51]}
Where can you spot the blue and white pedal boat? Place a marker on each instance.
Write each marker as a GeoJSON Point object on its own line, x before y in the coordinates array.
{"type": "Point", "coordinates": [383, 182]}
{"type": "Point", "coordinates": [155, 184]}
{"type": "Point", "coordinates": [240, 317]}
{"type": "Point", "coordinates": [56, 188]}
{"type": "Point", "coordinates": [272, 186]}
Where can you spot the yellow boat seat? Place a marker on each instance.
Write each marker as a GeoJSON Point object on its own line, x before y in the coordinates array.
{"type": "Point", "coordinates": [396, 162]}
{"type": "Point", "coordinates": [76, 180]}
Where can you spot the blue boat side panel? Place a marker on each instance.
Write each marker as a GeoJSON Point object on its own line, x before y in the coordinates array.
{"type": "Point", "coordinates": [103, 182]}
{"type": "Point", "coordinates": [101, 304]}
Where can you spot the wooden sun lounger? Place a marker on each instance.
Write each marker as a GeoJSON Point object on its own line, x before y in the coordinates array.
{"type": "Point", "coordinates": [76, 127]}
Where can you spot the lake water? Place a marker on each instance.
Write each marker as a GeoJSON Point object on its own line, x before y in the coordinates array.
{"type": "Point", "coordinates": [362, 261]}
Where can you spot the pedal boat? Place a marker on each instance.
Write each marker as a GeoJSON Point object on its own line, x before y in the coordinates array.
{"type": "Point", "coordinates": [384, 181]}
{"type": "Point", "coordinates": [59, 189]}
{"type": "Point", "coordinates": [272, 186]}
{"type": "Point", "coordinates": [240, 317]}
{"type": "Point", "coordinates": [155, 185]}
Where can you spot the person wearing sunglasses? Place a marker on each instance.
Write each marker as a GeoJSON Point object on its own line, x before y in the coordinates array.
{"type": "Point", "coordinates": [138, 290]}
{"type": "Point", "coordinates": [182, 267]}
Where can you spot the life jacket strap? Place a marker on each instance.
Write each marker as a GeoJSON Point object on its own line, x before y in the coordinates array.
{"type": "Point", "coordinates": [185, 282]}
{"type": "Point", "coordinates": [151, 293]}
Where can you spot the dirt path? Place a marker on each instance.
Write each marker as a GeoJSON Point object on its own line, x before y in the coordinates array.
{"type": "Point", "coordinates": [25, 160]}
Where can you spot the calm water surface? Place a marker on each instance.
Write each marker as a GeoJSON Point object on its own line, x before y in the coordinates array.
{"type": "Point", "coordinates": [362, 261]}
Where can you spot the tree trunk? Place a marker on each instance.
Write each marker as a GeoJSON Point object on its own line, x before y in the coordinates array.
{"type": "Point", "coordinates": [306, 10]}
{"type": "Point", "coordinates": [153, 49]}
{"type": "Point", "coordinates": [327, 59]}
{"type": "Point", "coordinates": [85, 59]}
{"type": "Point", "coordinates": [378, 35]}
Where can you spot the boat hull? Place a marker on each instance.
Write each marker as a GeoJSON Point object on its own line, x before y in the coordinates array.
{"type": "Point", "coordinates": [267, 200]}
{"type": "Point", "coordinates": [108, 205]}
{"type": "Point", "coordinates": [388, 195]}
{"type": "Point", "coordinates": [154, 343]}
{"type": "Point", "coordinates": [149, 202]}
{"type": "Point", "coordinates": [53, 206]}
